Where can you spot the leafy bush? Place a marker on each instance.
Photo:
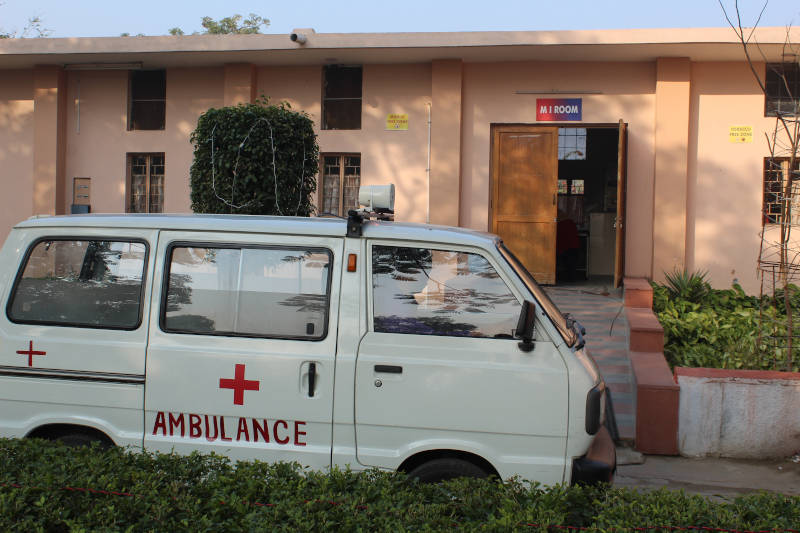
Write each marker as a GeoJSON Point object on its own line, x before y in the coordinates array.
{"type": "Point", "coordinates": [705, 327]}
{"type": "Point", "coordinates": [41, 482]}
{"type": "Point", "coordinates": [254, 159]}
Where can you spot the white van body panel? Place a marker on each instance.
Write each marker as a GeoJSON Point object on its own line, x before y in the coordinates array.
{"type": "Point", "coordinates": [524, 413]}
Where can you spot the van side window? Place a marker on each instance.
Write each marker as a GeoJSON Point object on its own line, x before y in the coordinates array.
{"type": "Point", "coordinates": [80, 283]}
{"type": "Point", "coordinates": [252, 292]}
{"type": "Point", "coordinates": [439, 292]}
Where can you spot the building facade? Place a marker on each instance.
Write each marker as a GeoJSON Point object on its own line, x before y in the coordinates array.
{"type": "Point", "coordinates": [650, 142]}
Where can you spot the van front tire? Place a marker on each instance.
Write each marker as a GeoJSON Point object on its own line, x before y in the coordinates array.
{"type": "Point", "coordinates": [445, 468]}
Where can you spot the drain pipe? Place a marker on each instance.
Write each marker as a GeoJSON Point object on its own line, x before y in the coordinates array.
{"type": "Point", "coordinates": [428, 167]}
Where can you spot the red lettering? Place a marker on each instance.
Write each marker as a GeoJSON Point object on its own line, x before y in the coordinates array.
{"type": "Point", "coordinates": [243, 429]}
{"type": "Point", "coordinates": [263, 430]}
{"type": "Point", "coordinates": [297, 434]}
{"type": "Point", "coordinates": [275, 432]}
{"type": "Point", "coordinates": [222, 430]}
{"type": "Point", "coordinates": [175, 422]}
{"type": "Point", "coordinates": [160, 423]}
{"type": "Point", "coordinates": [209, 437]}
{"type": "Point", "coordinates": [194, 427]}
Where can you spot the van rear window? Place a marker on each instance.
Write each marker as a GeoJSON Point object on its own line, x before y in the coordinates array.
{"type": "Point", "coordinates": [251, 292]}
{"type": "Point", "coordinates": [80, 283]}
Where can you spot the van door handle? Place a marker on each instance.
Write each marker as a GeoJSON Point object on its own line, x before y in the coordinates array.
{"type": "Point", "coordinates": [312, 378]}
{"type": "Point", "coordinates": [389, 369]}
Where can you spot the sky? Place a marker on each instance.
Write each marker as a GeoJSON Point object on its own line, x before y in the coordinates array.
{"type": "Point", "coordinates": [110, 18]}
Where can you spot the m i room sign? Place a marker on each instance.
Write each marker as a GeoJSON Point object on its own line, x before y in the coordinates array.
{"type": "Point", "coordinates": [559, 109]}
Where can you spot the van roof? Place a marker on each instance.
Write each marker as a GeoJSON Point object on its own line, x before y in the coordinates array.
{"type": "Point", "coordinates": [332, 227]}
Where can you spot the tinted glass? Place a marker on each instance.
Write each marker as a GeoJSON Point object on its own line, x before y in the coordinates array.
{"type": "Point", "coordinates": [254, 292]}
{"type": "Point", "coordinates": [437, 292]}
{"type": "Point", "coordinates": [81, 283]}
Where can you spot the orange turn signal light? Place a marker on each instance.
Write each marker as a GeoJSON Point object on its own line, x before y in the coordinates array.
{"type": "Point", "coordinates": [351, 262]}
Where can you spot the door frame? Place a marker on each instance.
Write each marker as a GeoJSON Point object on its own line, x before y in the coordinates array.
{"type": "Point", "coordinates": [622, 157]}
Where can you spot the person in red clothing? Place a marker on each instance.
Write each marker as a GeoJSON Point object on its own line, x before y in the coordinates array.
{"type": "Point", "coordinates": [567, 243]}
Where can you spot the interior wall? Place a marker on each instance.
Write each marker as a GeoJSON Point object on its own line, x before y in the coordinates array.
{"type": "Point", "coordinates": [610, 92]}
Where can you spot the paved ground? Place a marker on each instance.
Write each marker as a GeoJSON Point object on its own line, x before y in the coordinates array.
{"type": "Point", "coordinates": [599, 307]}
{"type": "Point", "coordinates": [709, 477]}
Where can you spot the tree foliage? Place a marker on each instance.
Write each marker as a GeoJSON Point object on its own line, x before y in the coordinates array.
{"type": "Point", "coordinates": [255, 159]}
{"type": "Point", "coordinates": [34, 27]}
{"type": "Point", "coordinates": [233, 24]}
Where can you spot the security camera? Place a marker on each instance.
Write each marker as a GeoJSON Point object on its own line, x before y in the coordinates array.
{"type": "Point", "coordinates": [298, 38]}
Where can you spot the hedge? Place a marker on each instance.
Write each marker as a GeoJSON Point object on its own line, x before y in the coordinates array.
{"type": "Point", "coordinates": [47, 487]}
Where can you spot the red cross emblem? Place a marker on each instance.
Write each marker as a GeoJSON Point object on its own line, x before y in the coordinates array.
{"type": "Point", "coordinates": [238, 384]}
{"type": "Point", "coordinates": [30, 352]}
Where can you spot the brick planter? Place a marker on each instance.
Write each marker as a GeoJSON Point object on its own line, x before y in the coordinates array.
{"type": "Point", "coordinates": [738, 413]}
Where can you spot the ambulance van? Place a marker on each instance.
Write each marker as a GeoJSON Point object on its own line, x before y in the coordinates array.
{"type": "Point", "coordinates": [359, 342]}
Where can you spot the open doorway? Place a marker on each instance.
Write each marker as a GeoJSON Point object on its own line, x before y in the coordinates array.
{"type": "Point", "coordinates": [588, 204]}
{"type": "Point", "coordinates": [558, 199]}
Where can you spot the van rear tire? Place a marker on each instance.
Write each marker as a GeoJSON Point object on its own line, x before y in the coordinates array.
{"type": "Point", "coordinates": [445, 468]}
{"type": "Point", "coordinates": [77, 440]}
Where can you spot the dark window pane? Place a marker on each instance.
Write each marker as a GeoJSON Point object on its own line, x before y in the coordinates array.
{"type": "Point", "coordinates": [148, 85]}
{"type": "Point", "coordinates": [81, 283]}
{"type": "Point", "coordinates": [148, 115]}
{"type": "Point", "coordinates": [248, 291]}
{"type": "Point", "coordinates": [342, 82]}
{"type": "Point", "coordinates": [342, 115]}
{"type": "Point", "coordinates": [782, 86]}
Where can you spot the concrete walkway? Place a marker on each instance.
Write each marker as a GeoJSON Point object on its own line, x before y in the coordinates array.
{"type": "Point", "coordinates": [710, 476]}
{"type": "Point", "coordinates": [600, 309]}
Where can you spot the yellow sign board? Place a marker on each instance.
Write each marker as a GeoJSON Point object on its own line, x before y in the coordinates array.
{"type": "Point", "coordinates": [397, 121]}
{"type": "Point", "coordinates": [741, 134]}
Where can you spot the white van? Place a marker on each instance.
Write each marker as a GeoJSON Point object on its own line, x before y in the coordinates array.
{"type": "Point", "coordinates": [409, 347]}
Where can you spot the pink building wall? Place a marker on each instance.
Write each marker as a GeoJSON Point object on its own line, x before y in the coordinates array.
{"type": "Point", "coordinates": [16, 147]}
{"type": "Point", "coordinates": [688, 186]}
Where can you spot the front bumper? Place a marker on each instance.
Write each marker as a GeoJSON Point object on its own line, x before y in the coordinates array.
{"type": "Point", "coordinates": [599, 463]}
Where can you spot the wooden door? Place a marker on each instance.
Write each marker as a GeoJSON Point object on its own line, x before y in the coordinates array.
{"type": "Point", "coordinates": [622, 171]}
{"type": "Point", "coordinates": [524, 195]}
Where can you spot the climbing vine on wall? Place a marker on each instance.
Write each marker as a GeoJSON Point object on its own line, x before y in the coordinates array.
{"type": "Point", "coordinates": [254, 159]}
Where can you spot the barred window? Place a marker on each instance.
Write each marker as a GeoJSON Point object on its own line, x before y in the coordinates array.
{"type": "Point", "coordinates": [146, 183]}
{"type": "Point", "coordinates": [80, 283]}
{"type": "Point", "coordinates": [341, 98]}
{"type": "Point", "coordinates": [776, 173]}
{"type": "Point", "coordinates": [147, 100]}
{"type": "Point", "coordinates": [341, 178]}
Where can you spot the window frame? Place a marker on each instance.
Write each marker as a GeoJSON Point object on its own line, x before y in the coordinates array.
{"type": "Point", "coordinates": [24, 263]}
{"type": "Point", "coordinates": [774, 68]}
{"type": "Point", "coordinates": [129, 180]}
{"type": "Point", "coordinates": [324, 98]}
{"type": "Point", "coordinates": [485, 254]}
{"type": "Point", "coordinates": [131, 100]}
{"type": "Point", "coordinates": [777, 219]}
{"type": "Point", "coordinates": [162, 311]}
{"type": "Point", "coordinates": [321, 188]}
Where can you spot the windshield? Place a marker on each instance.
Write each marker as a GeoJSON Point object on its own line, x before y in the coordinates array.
{"type": "Point", "coordinates": [544, 300]}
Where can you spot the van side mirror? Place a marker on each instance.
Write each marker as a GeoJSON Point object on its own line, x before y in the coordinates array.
{"type": "Point", "coordinates": [525, 324]}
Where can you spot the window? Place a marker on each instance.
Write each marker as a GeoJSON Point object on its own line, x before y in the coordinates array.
{"type": "Point", "coordinates": [438, 292]}
{"type": "Point", "coordinates": [782, 89]}
{"type": "Point", "coordinates": [571, 144]}
{"type": "Point", "coordinates": [251, 292]}
{"type": "Point", "coordinates": [147, 100]}
{"type": "Point", "coordinates": [341, 98]}
{"type": "Point", "coordinates": [776, 173]}
{"type": "Point", "coordinates": [80, 283]}
{"type": "Point", "coordinates": [341, 178]}
{"type": "Point", "coordinates": [146, 183]}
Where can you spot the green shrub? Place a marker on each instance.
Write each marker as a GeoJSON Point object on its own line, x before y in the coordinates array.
{"type": "Point", "coordinates": [254, 159]}
{"type": "Point", "coordinates": [208, 493]}
{"type": "Point", "coordinates": [705, 327]}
